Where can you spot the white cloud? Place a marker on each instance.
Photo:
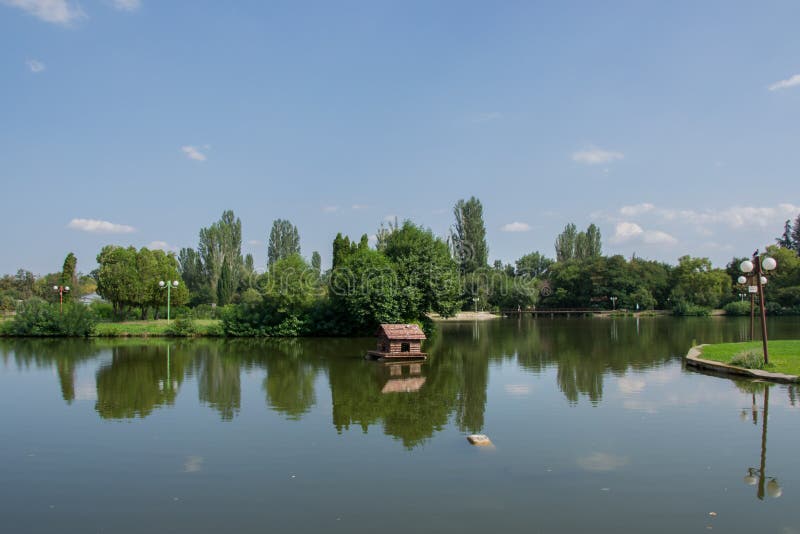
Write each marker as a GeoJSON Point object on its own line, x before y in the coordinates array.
{"type": "Point", "coordinates": [127, 5]}
{"type": "Point", "coordinates": [255, 243]}
{"type": "Point", "coordinates": [629, 385]}
{"type": "Point", "coordinates": [516, 227]}
{"type": "Point", "coordinates": [54, 11]}
{"type": "Point", "coordinates": [735, 216]}
{"type": "Point", "coordinates": [161, 245]}
{"type": "Point", "coordinates": [517, 390]}
{"type": "Point", "coordinates": [35, 66]}
{"type": "Point", "coordinates": [193, 153]}
{"type": "Point", "coordinates": [785, 84]}
{"type": "Point", "coordinates": [602, 462]}
{"type": "Point", "coordinates": [657, 237]}
{"type": "Point", "coordinates": [629, 231]}
{"type": "Point", "coordinates": [360, 206]}
{"type": "Point", "coordinates": [99, 227]}
{"type": "Point", "coordinates": [330, 209]}
{"type": "Point", "coordinates": [596, 156]}
{"type": "Point", "coordinates": [636, 209]}
{"type": "Point", "coordinates": [625, 231]}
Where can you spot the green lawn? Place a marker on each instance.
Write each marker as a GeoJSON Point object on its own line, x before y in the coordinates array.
{"type": "Point", "coordinates": [152, 328]}
{"type": "Point", "coordinates": [784, 355]}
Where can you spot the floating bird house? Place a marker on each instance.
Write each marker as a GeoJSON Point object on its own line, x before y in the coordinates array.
{"type": "Point", "coordinates": [402, 341]}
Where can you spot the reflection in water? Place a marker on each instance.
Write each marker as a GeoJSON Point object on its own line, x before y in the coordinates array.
{"type": "Point", "coordinates": [758, 476]}
{"type": "Point", "coordinates": [218, 382]}
{"type": "Point", "coordinates": [409, 402]}
{"type": "Point", "coordinates": [139, 379]}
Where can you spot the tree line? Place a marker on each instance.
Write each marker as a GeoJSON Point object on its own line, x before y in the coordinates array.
{"type": "Point", "coordinates": [408, 273]}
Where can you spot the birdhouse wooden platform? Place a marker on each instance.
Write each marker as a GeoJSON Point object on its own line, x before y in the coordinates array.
{"type": "Point", "coordinates": [399, 341]}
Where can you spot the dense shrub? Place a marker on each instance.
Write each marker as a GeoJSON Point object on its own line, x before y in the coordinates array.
{"type": "Point", "coordinates": [183, 326]}
{"type": "Point", "coordinates": [683, 308]}
{"type": "Point", "coordinates": [737, 308]}
{"type": "Point", "coordinates": [35, 317]}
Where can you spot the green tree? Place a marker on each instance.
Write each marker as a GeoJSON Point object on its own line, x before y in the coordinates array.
{"type": "Point", "coordinates": [427, 274]}
{"type": "Point", "coordinates": [23, 284]}
{"type": "Point", "coordinates": [565, 243]}
{"type": "Point", "coordinates": [316, 262]}
{"type": "Point", "coordinates": [594, 246]}
{"type": "Point", "coordinates": [341, 249]}
{"type": "Point", "coordinates": [533, 265]}
{"type": "Point", "coordinates": [284, 240]}
{"type": "Point", "coordinates": [69, 276]}
{"type": "Point", "coordinates": [695, 281]}
{"type": "Point", "coordinates": [117, 276]}
{"type": "Point", "coordinates": [220, 248]}
{"type": "Point", "coordinates": [193, 275]}
{"type": "Point", "coordinates": [468, 235]}
{"type": "Point", "coordinates": [796, 234]}
{"type": "Point", "coordinates": [364, 292]}
{"type": "Point", "coordinates": [786, 240]}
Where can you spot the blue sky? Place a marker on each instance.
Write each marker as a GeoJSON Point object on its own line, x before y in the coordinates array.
{"type": "Point", "coordinates": [672, 125]}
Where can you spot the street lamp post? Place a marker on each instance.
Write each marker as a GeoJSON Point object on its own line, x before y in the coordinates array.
{"type": "Point", "coordinates": [743, 281]}
{"type": "Point", "coordinates": [475, 300]}
{"type": "Point", "coordinates": [61, 290]}
{"type": "Point", "coordinates": [613, 303]}
{"type": "Point", "coordinates": [756, 280]}
{"type": "Point", "coordinates": [169, 284]}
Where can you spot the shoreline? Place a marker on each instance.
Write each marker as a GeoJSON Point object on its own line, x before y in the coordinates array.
{"type": "Point", "coordinates": [694, 359]}
{"type": "Point", "coordinates": [465, 316]}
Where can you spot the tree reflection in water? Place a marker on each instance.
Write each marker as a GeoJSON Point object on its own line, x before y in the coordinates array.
{"type": "Point", "coordinates": [136, 377]}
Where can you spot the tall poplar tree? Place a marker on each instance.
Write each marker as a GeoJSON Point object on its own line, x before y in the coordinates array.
{"type": "Point", "coordinates": [68, 274]}
{"type": "Point", "coordinates": [796, 235]}
{"type": "Point", "coordinates": [468, 235]}
{"type": "Point", "coordinates": [565, 243]}
{"type": "Point", "coordinates": [284, 240]}
{"type": "Point", "coordinates": [220, 250]}
{"type": "Point", "coordinates": [316, 262]}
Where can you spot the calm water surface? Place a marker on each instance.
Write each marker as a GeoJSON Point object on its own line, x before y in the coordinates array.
{"type": "Point", "coordinates": [597, 427]}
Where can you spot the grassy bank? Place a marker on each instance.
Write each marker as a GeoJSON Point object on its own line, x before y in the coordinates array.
{"type": "Point", "coordinates": [204, 327]}
{"type": "Point", "coordinates": [784, 355]}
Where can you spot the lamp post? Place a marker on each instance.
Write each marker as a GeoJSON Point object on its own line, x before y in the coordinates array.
{"type": "Point", "coordinates": [754, 271]}
{"type": "Point", "coordinates": [475, 300]}
{"type": "Point", "coordinates": [169, 284]}
{"type": "Point", "coordinates": [61, 290]}
{"type": "Point", "coordinates": [743, 282]}
{"type": "Point", "coordinates": [613, 303]}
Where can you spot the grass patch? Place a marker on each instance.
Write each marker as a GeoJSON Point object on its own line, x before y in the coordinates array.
{"type": "Point", "coordinates": [784, 355]}
{"type": "Point", "coordinates": [204, 327]}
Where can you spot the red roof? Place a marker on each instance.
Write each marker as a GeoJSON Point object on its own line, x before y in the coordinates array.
{"type": "Point", "coordinates": [401, 331]}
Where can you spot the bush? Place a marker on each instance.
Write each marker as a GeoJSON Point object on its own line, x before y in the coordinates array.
{"type": "Point", "coordinates": [7, 303]}
{"type": "Point", "coordinates": [103, 310]}
{"type": "Point", "coordinates": [737, 308]}
{"type": "Point", "coordinates": [183, 326]}
{"type": "Point", "coordinates": [749, 359]}
{"type": "Point", "coordinates": [36, 317]}
{"type": "Point", "coordinates": [683, 308]}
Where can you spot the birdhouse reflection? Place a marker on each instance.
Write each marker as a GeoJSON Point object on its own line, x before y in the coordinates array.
{"type": "Point", "coordinates": [402, 377]}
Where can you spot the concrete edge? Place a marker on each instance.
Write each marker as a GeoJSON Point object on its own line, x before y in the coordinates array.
{"type": "Point", "coordinates": [693, 358]}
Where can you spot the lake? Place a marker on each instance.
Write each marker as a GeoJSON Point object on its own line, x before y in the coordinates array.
{"type": "Point", "coordinates": [597, 427]}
